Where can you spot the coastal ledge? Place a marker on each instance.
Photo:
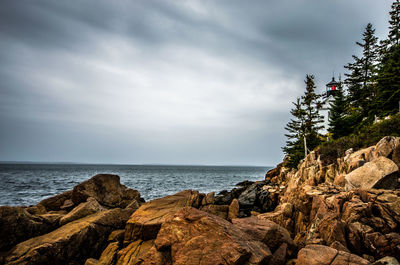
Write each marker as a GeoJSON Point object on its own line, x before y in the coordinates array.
{"type": "Point", "coordinates": [318, 213]}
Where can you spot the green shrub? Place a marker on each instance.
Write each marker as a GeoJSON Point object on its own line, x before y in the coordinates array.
{"type": "Point", "coordinates": [365, 137]}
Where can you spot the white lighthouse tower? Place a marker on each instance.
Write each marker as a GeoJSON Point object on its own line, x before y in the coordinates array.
{"type": "Point", "coordinates": [331, 89]}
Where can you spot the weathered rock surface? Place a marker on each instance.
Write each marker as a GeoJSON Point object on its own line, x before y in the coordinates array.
{"type": "Point", "coordinates": [17, 225]}
{"type": "Point", "coordinates": [108, 257]}
{"type": "Point", "coordinates": [233, 210]}
{"type": "Point", "coordinates": [316, 208]}
{"type": "Point", "coordinates": [379, 173]}
{"type": "Point", "coordinates": [54, 203]}
{"type": "Point", "coordinates": [267, 232]}
{"type": "Point", "coordinates": [136, 252]}
{"type": "Point", "coordinates": [147, 220]}
{"type": "Point", "coordinates": [386, 261]}
{"type": "Point", "coordinates": [218, 210]}
{"type": "Point", "coordinates": [71, 243]}
{"type": "Point", "coordinates": [323, 255]}
{"type": "Point", "coordinates": [82, 210]}
{"type": "Point", "coordinates": [106, 189]}
{"type": "Point", "coordinates": [196, 237]}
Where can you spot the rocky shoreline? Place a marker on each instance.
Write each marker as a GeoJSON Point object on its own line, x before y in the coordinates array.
{"type": "Point", "coordinates": [346, 212]}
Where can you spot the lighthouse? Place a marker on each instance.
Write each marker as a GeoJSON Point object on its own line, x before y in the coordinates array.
{"type": "Point", "coordinates": [331, 89]}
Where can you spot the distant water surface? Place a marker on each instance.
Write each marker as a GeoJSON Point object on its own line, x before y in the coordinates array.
{"type": "Point", "coordinates": [27, 184]}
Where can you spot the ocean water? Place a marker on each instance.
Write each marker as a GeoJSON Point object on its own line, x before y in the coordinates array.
{"type": "Point", "coordinates": [27, 184]}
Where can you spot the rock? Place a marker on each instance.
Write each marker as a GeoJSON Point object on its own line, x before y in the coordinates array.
{"type": "Point", "coordinates": [275, 171]}
{"type": "Point", "coordinates": [386, 146]}
{"type": "Point", "coordinates": [109, 255]}
{"type": "Point", "coordinates": [338, 246]}
{"type": "Point", "coordinates": [117, 236]}
{"type": "Point", "coordinates": [258, 197]}
{"type": "Point", "coordinates": [54, 203]}
{"type": "Point", "coordinates": [323, 255]}
{"type": "Point", "coordinates": [36, 209]}
{"type": "Point", "coordinates": [53, 218]}
{"type": "Point", "coordinates": [225, 197]}
{"type": "Point", "coordinates": [218, 210]}
{"type": "Point", "coordinates": [380, 173]}
{"type": "Point", "coordinates": [196, 237]}
{"type": "Point", "coordinates": [340, 180]}
{"type": "Point", "coordinates": [147, 220]}
{"type": "Point", "coordinates": [359, 157]}
{"type": "Point", "coordinates": [133, 205]}
{"type": "Point", "coordinates": [106, 189]}
{"type": "Point", "coordinates": [135, 252]}
{"type": "Point", "coordinates": [208, 199]}
{"type": "Point", "coordinates": [233, 211]}
{"type": "Point", "coordinates": [248, 197]}
{"type": "Point", "coordinates": [386, 261]}
{"type": "Point", "coordinates": [82, 210]}
{"type": "Point", "coordinates": [356, 164]}
{"type": "Point", "coordinates": [279, 256]}
{"type": "Point", "coordinates": [265, 231]}
{"type": "Point", "coordinates": [91, 261]}
{"type": "Point", "coordinates": [68, 205]}
{"type": "Point", "coordinates": [245, 183]}
{"type": "Point", "coordinates": [71, 243]}
{"type": "Point", "coordinates": [17, 225]}
{"type": "Point", "coordinates": [282, 215]}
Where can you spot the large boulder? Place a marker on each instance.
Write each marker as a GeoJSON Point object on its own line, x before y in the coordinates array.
{"type": "Point", "coordinates": [108, 257]}
{"type": "Point", "coordinates": [379, 173]}
{"type": "Point", "coordinates": [265, 231]}
{"type": "Point", "coordinates": [196, 237]}
{"type": "Point", "coordinates": [106, 189]}
{"type": "Point", "coordinates": [82, 210]}
{"type": "Point", "coordinates": [56, 202]}
{"type": "Point", "coordinates": [389, 147]}
{"type": "Point", "coordinates": [323, 255]}
{"type": "Point", "coordinates": [135, 252]}
{"type": "Point", "coordinates": [71, 243]}
{"type": "Point", "coordinates": [17, 225]}
{"type": "Point", "coordinates": [359, 158]}
{"type": "Point", "coordinates": [259, 197]}
{"type": "Point", "coordinates": [147, 220]}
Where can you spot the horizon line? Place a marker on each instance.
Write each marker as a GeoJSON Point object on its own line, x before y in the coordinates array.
{"type": "Point", "coordinates": [128, 164]}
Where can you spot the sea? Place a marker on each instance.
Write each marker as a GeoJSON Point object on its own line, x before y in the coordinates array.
{"type": "Point", "coordinates": [28, 184]}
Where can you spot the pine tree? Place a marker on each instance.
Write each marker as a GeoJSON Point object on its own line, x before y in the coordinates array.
{"type": "Point", "coordinates": [338, 121]}
{"type": "Point", "coordinates": [296, 130]}
{"type": "Point", "coordinates": [388, 83]}
{"type": "Point", "coordinates": [394, 28]}
{"type": "Point", "coordinates": [303, 129]}
{"type": "Point", "coordinates": [362, 74]}
{"type": "Point", "coordinates": [313, 120]}
{"type": "Point", "coordinates": [388, 79]}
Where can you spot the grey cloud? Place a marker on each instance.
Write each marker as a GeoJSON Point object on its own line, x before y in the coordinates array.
{"type": "Point", "coordinates": [165, 81]}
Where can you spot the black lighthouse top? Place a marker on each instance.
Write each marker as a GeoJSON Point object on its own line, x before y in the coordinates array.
{"type": "Point", "coordinates": [332, 87]}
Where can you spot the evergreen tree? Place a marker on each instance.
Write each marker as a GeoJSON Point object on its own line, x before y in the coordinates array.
{"type": "Point", "coordinates": [338, 121]}
{"type": "Point", "coordinates": [394, 28]}
{"type": "Point", "coordinates": [362, 74]}
{"type": "Point", "coordinates": [296, 130]}
{"type": "Point", "coordinates": [313, 120]}
{"type": "Point", "coordinates": [303, 128]}
{"type": "Point", "coordinates": [388, 79]}
{"type": "Point", "coordinates": [388, 83]}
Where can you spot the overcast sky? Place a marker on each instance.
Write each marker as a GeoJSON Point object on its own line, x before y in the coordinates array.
{"type": "Point", "coordinates": [171, 82]}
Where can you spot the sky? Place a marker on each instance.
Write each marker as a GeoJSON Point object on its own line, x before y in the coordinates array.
{"type": "Point", "coordinates": [166, 82]}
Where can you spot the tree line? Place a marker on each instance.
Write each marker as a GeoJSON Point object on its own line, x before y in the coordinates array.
{"type": "Point", "coordinates": [371, 89]}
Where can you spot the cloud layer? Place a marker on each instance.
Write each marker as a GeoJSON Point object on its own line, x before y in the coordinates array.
{"type": "Point", "coordinates": [182, 82]}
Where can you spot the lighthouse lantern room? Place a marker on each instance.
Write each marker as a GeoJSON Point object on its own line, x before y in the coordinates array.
{"type": "Point", "coordinates": [332, 87]}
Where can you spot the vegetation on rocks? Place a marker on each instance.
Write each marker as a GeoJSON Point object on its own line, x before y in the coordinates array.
{"type": "Point", "coordinates": [371, 91]}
